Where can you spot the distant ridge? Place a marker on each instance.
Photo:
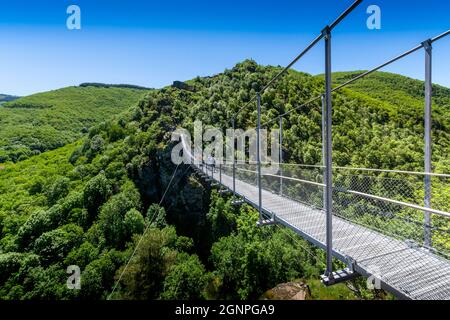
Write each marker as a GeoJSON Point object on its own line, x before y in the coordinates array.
{"type": "Point", "coordinates": [106, 85]}
{"type": "Point", "coordinates": [49, 120]}
{"type": "Point", "coordinates": [7, 97]}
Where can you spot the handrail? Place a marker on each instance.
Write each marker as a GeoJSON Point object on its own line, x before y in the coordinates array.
{"type": "Point", "coordinates": [295, 179]}
{"type": "Point", "coordinates": [283, 177]}
{"type": "Point", "coordinates": [442, 175]}
{"type": "Point", "coordinates": [366, 195]}
{"type": "Point", "coordinates": [401, 203]}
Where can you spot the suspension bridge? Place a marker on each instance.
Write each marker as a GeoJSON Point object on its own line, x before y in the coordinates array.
{"type": "Point", "coordinates": [380, 223]}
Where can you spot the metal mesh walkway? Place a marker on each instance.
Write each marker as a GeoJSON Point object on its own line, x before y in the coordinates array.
{"type": "Point", "coordinates": [403, 268]}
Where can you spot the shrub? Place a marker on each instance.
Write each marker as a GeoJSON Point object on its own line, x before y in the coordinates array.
{"type": "Point", "coordinates": [147, 270]}
{"type": "Point", "coordinates": [98, 277]}
{"type": "Point", "coordinates": [156, 215]}
{"type": "Point", "coordinates": [14, 263]}
{"type": "Point", "coordinates": [134, 222]}
{"type": "Point", "coordinates": [95, 193]}
{"type": "Point", "coordinates": [82, 255]}
{"type": "Point", "coordinates": [38, 223]}
{"type": "Point", "coordinates": [97, 143]}
{"type": "Point", "coordinates": [112, 215]}
{"type": "Point", "coordinates": [37, 186]}
{"type": "Point", "coordinates": [186, 280]}
{"type": "Point", "coordinates": [56, 244]}
{"type": "Point", "coordinates": [57, 190]}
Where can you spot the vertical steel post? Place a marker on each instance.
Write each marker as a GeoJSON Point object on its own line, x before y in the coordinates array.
{"type": "Point", "coordinates": [234, 161]}
{"type": "Point", "coordinates": [281, 155]}
{"type": "Point", "coordinates": [428, 105]}
{"type": "Point", "coordinates": [258, 156]}
{"type": "Point", "coordinates": [328, 153]}
{"type": "Point", "coordinates": [324, 125]}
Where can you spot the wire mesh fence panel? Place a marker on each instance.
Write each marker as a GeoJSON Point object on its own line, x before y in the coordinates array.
{"type": "Point", "coordinates": [303, 184]}
{"type": "Point", "coordinates": [295, 194]}
{"type": "Point", "coordinates": [246, 172]}
{"type": "Point", "coordinates": [440, 192]}
{"type": "Point", "coordinates": [390, 202]}
{"type": "Point", "coordinates": [227, 170]}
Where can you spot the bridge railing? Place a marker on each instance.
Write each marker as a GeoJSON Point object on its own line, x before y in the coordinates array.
{"type": "Point", "coordinates": [416, 202]}
{"type": "Point", "coordinates": [302, 184]}
{"type": "Point", "coordinates": [382, 196]}
{"type": "Point", "coordinates": [387, 201]}
{"type": "Point", "coordinates": [391, 202]}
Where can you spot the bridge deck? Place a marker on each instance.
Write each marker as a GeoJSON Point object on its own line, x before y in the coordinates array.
{"type": "Point", "coordinates": [408, 272]}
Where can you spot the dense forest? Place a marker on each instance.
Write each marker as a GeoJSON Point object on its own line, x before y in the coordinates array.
{"type": "Point", "coordinates": [90, 202]}
{"type": "Point", "coordinates": [49, 120]}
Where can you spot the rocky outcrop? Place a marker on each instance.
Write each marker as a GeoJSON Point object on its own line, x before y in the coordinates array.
{"type": "Point", "coordinates": [182, 86]}
{"type": "Point", "coordinates": [288, 291]}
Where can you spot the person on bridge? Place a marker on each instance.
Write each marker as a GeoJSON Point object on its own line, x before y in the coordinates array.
{"type": "Point", "coordinates": [213, 164]}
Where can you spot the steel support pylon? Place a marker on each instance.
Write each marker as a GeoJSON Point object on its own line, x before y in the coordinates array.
{"type": "Point", "coordinates": [328, 154]}
{"type": "Point", "coordinates": [258, 157]}
{"type": "Point", "coordinates": [234, 160]}
{"type": "Point", "coordinates": [324, 125]}
{"type": "Point", "coordinates": [427, 128]}
{"type": "Point", "coordinates": [281, 155]}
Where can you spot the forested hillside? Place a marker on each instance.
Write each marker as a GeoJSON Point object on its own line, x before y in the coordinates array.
{"type": "Point", "coordinates": [88, 203]}
{"type": "Point", "coordinates": [49, 120]}
{"type": "Point", "coordinates": [405, 96]}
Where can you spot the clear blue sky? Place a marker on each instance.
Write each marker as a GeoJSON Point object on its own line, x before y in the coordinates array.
{"type": "Point", "coordinates": [152, 43]}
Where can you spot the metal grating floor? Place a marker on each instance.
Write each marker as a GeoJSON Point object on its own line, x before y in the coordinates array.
{"type": "Point", "coordinates": [406, 271]}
